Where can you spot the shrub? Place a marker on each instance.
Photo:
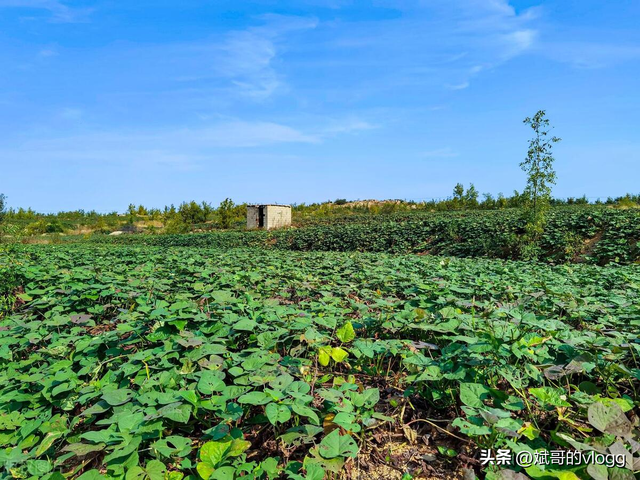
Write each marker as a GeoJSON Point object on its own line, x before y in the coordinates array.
{"type": "Point", "coordinates": [175, 226]}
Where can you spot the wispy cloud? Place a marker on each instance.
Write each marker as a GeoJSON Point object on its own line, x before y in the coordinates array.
{"type": "Point", "coordinates": [246, 57]}
{"type": "Point", "coordinates": [48, 52]}
{"type": "Point", "coordinates": [518, 42]}
{"type": "Point", "coordinates": [459, 86]}
{"type": "Point", "coordinates": [588, 54]}
{"type": "Point", "coordinates": [59, 11]}
{"type": "Point", "coordinates": [162, 147]}
{"type": "Point", "coordinates": [347, 125]}
{"type": "Point", "coordinates": [494, 33]}
{"type": "Point", "coordinates": [241, 62]}
{"type": "Point", "coordinates": [175, 148]}
{"type": "Point", "coordinates": [228, 134]}
{"type": "Point", "coordinates": [242, 134]}
{"type": "Point", "coordinates": [439, 43]}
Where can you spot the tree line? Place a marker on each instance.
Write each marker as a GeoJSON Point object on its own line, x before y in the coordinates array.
{"type": "Point", "coordinates": [535, 200]}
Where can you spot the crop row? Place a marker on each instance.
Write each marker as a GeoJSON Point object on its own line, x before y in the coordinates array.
{"type": "Point", "coordinates": [594, 235]}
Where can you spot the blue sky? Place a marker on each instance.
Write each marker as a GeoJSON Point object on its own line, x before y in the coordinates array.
{"type": "Point", "coordinates": [109, 102]}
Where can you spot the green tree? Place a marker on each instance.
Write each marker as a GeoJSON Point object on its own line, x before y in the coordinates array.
{"type": "Point", "coordinates": [192, 213]}
{"type": "Point", "coordinates": [538, 165]}
{"type": "Point", "coordinates": [458, 193]}
{"type": "Point", "coordinates": [155, 213]}
{"type": "Point", "coordinates": [488, 202]}
{"type": "Point", "coordinates": [3, 204]}
{"type": "Point", "coordinates": [168, 214]}
{"type": "Point", "coordinates": [176, 225]}
{"type": "Point", "coordinates": [207, 210]}
{"type": "Point", "coordinates": [225, 212]}
{"type": "Point", "coordinates": [471, 197]}
{"type": "Point", "coordinates": [501, 202]}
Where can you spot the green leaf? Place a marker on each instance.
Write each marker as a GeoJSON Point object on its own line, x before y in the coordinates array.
{"type": "Point", "coordinates": [82, 449]}
{"type": "Point", "coordinates": [117, 397]}
{"type": "Point", "coordinates": [224, 473]}
{"type": "Point", "coordinates": [324, 355]}
{"type": "Point", "coordinates": [471, 429]}
{"type": "Point", "coordinates": [254, 398]}
{"type": "Point", "coordinates": [127, 421]}
{"type": "Point", "coordinates": [209, 383]}
{"type": "Point", "coordinates": [550, 396]}
{"type": "Point", "coordinates": [305, 411]}
{"type": "Point", "coordinates": [530, 431]}
{"type": "Point", "coordinates": [190, 396]}
{"type": "Point", "coordinates": [447, 452]}
{"type": "Point", "coordinates": [178, 412]}
{"type": "Point", "coordinates": [473, 394]}
{"type": "Point", "coordinates": [154, 470]}
{"type": "Point", "coordinates": [336, 445]}
{"type": "Point", "coordinates": [277, 413]}
{"type": "Point", "coordinates": [39, 468]}
{"type": "Point", "coordinates": [47, 442]}
{"type": "Point", "coordinates": [339, 354]}
{"type": "Point", "coordinates": [205, 470]}
{"type": "Point", "coordinates": [625, 403]}
{"type": "Point", "coordinates": [371, 397]}
{"type": "Point", "coordinates": [346, 333]}
{"type": "Point", "coordinates": [314, 472]}
{"type": "Point", "coordinates": [447, 312]}
{"type": "Point", "coordinates": [91, 475]}
{"type": "Point", "coordinates": [270, 466]}
{"type": "Point", "coordinates": [173, 445]}
{"type": "Point", "coordinates": [238, 446]}
{"type": "Point", "coordinates": [214, 452]}
{"type": "Point", "coordinates": [246, 325]}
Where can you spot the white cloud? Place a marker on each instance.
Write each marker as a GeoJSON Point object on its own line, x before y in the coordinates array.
{"type": "Point", "coordinates": [181, 148]}
{"type": "Point", "coordinates": [228, 134]}
{"type": "Point", "coordinates": [459, 86]}
{"type": "Point", "coordinates": [518, 42]}
{"type": "Point", "coordinates": [243, 60]}
{"type": "Point", "coordinates": [246, 57]}
{"type": "Point", "coordinates": [441, 43]}
{"type": "Point", "coordinates": [48, 52]}
{"type": "Point", "coordinates": [348, 125]}
{"type": "Point", "coordinates": [242, 134]}
{"type": "Point", "coordinates": [175, 148]}
{"type": "Point", "coordinates": [587, 54]}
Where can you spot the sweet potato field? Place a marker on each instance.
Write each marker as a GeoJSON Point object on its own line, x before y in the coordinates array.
{"type": "Point", "coordinates": [595, 235]}
{"type": "Point", "coordinates": [148, 362]}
